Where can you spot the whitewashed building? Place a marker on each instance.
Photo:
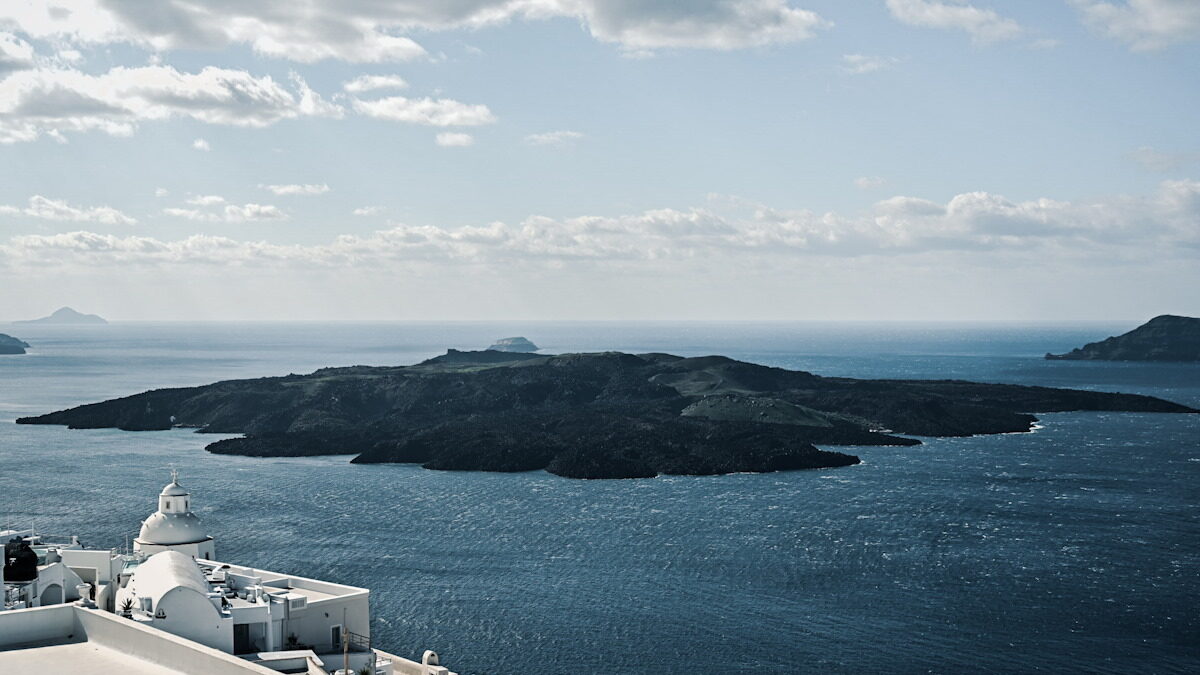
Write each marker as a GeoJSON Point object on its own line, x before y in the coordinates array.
{"type": "Point", "coordinates": [170, 586]}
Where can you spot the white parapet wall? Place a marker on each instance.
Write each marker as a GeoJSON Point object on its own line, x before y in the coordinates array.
{"type": "Point", "coordinates": [403, 666]}
{"type": "Point", "coordinates": [47, 627]}
{"type": "Point", "coordinates": [22, 627]}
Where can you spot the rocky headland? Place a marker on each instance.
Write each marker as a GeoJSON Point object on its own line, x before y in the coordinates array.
{"type": "Point", "coordinates": [11, 345]}
{"type": "Point", "coordinates": [1163, 338]}
{"type": "Point", "coordinates": [603, 415]}
{"type": "Point", "coordinates": [514, 344]}
{"type": "Point", "coordinates": [66, 315]}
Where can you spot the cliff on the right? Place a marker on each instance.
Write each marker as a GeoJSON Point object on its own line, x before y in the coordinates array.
{"type": "Point", "coordinates": [1163, 338]}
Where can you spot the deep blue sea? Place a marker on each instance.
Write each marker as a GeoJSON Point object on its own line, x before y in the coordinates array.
{"type": "Point", "coordinates": [1072, 549]}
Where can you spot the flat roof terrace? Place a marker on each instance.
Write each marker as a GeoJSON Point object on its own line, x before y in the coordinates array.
{"type": "Point", "coordinates": [313, 589]}
{"type": "Point", "coordinates": [77, 657]}
{"type": "Point", "coordinates": [71, 639]}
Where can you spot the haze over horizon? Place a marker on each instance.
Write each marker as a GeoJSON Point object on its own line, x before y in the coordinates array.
{"type": "Point", "coordinates": [587, 160]}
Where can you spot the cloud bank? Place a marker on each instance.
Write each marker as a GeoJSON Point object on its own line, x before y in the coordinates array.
{"type": "Point", "coordinates": [53, 102]}
{"type": "Point", "coordinates": [1164, 223]}
{"type": "Point", "coordinates": [368, 31]}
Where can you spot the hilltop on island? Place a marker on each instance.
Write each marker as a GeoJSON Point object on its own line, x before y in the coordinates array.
{"type": "Point", "coordinates": [513, 344]}
{"type": "Point", "coordinates": [605, 415]}
{"type": "Point", "coordinates": [1163, 338]}
{"type": "Point", "coordinates": [11, 345]}
{"type": "Point", "coordinates": [66, 315]}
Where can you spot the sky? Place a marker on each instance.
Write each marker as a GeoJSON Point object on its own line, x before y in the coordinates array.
{"type": "Point", "coordinates": [600, 159]}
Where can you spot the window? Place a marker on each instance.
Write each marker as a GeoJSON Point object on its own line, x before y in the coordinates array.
{"type": "Point", "coordinates": [167, 504]}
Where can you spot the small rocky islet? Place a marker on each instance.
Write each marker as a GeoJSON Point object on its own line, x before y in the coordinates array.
{"type": "Point", "coordinates": [12, 345]}
{"type": "Point", "coordinates": [1163, 338]}
{"type": "Point", "coordinates": [514, 344]}
{"type": "Point", "coordinates": [598, 415]}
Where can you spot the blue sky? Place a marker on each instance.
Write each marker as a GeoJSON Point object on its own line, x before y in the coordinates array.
{"type": "Point", "coordinates": [576, 159]}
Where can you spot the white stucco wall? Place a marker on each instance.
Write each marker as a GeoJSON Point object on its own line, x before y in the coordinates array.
{"type": "Point", "coordinates": [159, 647]}
{"type": "Point", "coordinates": [24, 626]}
{"type": "Point", "coordinates": [313, 625]}
{"type": "Point", "coordinates": [192, 616]}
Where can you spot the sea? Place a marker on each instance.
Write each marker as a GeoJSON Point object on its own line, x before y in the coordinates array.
{"type": "Point", "coordinates": [1071, 549]}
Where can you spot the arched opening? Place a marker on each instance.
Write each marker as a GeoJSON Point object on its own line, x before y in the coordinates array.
{"type": "Point", "coordinates": [52, 595]}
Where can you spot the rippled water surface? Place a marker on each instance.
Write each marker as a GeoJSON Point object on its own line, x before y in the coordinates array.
{"type": "Point", "coordinates": [1072, 549]}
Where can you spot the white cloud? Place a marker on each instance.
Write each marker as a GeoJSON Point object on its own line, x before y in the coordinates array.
{"type": "Point", "coordinates": [190, 214]}
{"type": "Point", "coordinates": [1143, 24]}
{"type": "Point", "coordinates": [869, 182]}
{"type": "Point", "coordinates": [367, 210]}
{"type": "Point", "coordinates": [53, 102]}
{"type": "Point", "coordinates": [1163, 162]}
{"type": "Point", "coordinates": [206, 200]}
{"type": "Point", "coordinates": [1166, 223]}
{"type": "Point", "coordinates": [322, 29]}
{"type": "Point", "coordinates": [553, 138]}
{"type": "Point", "coordinates": [201, 144]}
{"type": "Point", "coordinates": [56, 209]}
{"type": "Point", "coordinates": [236, 213]}
{"type": "Point", "coordinates": [440, 112]}
{"type": "Point", "coordinates": [161, 192]}
{"type": "Point", "coordinates": [15, 53]}
{"type": "Point", "coordinates": [703, 24]}
{"type": "Point", "coordinates": [69, 56]}
{"type": "Point", "coordinates": [454, 140]}
{"type": "Point", "coordinates": [373, 82]}
{"type": "Point", "coordinates": [984, 25]}
{"type": "Point", "coordinates": [294, 189]}
{"type": "Point", "coordinates": [861, 64]}
{"type": "Point", "coordinates": [230, 213]}
{"type": "Point", "coordinates": [368, 31]}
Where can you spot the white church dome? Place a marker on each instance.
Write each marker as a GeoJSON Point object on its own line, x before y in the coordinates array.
{"type": "Point", "coordinates": [173, 489]}
{"type": "Point", "coordinates": [167, 529]}
{"type": "Point", "coordinates": [174, 523]}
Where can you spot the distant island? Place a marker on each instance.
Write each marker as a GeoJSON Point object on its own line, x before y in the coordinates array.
{"type": "Point", "coordinates": [513, 344]}
{"type": "Point", "coordinates": [11, 345]}
{"type": "Point", "coordinates": [603, 415]}
{"type": "Point", "coordinates": [1163, 338]}
{"type": "Point", "coordinates": [66, 315]}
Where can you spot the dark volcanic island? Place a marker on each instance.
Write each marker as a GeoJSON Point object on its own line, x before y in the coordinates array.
{"type": "Point", "coordinates": [11, 345]}
{"type": "Point", "coordinates": [605, 415]}
{"type": "Point", "coordinates": [1163, 338]}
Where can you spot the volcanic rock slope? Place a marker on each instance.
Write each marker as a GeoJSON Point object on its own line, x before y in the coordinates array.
{"type": "Point", "coordinates": [1163, 338]}
{"type": "Point", "coordinates": [602, 415]}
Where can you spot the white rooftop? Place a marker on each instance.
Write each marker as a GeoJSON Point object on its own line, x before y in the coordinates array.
{"type": "Point", "coordinates": [77, 657]}
{"type": "Point", "coordinates": [163, 572]}
{"type": "Point", "coordinates": [71, 639]}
